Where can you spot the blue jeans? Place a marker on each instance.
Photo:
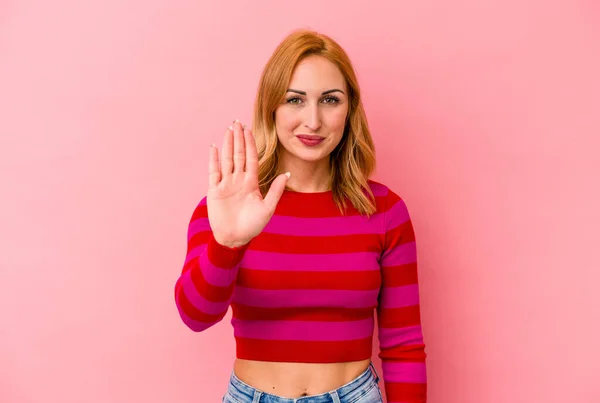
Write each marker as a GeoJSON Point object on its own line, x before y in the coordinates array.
{"type": "Point", "coordinates": [363, 389]}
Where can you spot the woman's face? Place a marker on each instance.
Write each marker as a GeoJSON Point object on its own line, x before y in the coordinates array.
{"type": "Point", "coordinates": [310, 121]}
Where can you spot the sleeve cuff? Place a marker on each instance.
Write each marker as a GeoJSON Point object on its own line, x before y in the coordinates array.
{"type": "Point", "coordinates": [223, 256]}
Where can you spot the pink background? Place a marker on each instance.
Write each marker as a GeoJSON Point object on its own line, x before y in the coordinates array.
{"type": "Point", "coordinates": [486, 117]}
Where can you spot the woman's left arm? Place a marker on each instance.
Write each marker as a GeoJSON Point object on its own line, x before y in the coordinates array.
{"type": "Point", "coordinates": [402, 349]}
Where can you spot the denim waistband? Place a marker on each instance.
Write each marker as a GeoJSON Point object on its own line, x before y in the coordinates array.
{"type": "Point", "coordinates": [368, 379]}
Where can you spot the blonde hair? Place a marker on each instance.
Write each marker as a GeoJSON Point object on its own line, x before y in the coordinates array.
{"type": "Point", "coordinates": [353, 160]}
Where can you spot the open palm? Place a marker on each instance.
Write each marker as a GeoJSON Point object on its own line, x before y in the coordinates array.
{"type": "Point", "coordinates": [237, 211]}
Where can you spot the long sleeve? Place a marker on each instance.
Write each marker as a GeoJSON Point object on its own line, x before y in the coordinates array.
{"type": "Point", "coordinates": [204, 289]}
{"type": "Point", "coordinates": [402, 349]}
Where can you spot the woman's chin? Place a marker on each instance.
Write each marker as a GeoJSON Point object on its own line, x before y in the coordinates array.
{"type": "Point", "coordinates": [306, 154]}
{"type": "Point", "coordinates": [310, 156]}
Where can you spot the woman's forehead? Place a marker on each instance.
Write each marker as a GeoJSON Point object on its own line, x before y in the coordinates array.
{"type": "Point", "coordinates": [316, 74]}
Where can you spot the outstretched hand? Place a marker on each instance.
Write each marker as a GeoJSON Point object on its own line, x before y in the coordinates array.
{"type": "Point", "coordinates": [237, 211]}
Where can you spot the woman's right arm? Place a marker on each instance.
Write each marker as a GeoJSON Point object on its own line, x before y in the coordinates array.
{"type": "Point", "coordinates": [204, 289]}
{"type": "Point", "coordinates": [223, 224]}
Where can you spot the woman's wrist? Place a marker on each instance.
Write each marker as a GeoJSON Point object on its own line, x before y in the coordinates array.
{"type": "Point", "coordinates": [228, 243]}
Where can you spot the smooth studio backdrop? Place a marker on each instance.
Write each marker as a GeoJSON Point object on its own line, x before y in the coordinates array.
{"type": "Point", "coordinates": [486, 119]}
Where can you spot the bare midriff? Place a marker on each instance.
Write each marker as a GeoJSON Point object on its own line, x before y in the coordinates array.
{"type": "Point", "coordinates": [294, 380]}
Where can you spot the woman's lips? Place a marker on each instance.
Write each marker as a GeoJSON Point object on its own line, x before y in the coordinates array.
{"type": "Point", "coordinates": [310, 140]}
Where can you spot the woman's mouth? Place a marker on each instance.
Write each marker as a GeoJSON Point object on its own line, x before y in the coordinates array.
{"type": "Point", "coordinates": [310, 141]}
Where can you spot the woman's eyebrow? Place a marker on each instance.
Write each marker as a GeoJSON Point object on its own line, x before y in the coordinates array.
{"type": "Point", "coordinates": [323, 93]}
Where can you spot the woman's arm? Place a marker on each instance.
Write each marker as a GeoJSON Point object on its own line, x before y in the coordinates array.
{"type": "Point", "coordinates": [402, 349]}
{"type": "Point", "coordinates": [204, 289]}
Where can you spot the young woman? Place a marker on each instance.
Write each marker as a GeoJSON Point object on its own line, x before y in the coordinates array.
{"type": "Point", "coordinates": [304, 247]}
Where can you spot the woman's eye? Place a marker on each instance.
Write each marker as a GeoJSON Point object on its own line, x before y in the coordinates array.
{"type": "Point", "coordinates": [328, 100]}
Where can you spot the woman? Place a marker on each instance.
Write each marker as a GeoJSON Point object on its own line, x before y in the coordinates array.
{"type": "Point", "coordinates": [304, 246]}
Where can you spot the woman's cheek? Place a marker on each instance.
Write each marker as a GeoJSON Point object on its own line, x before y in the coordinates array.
{"type": "Point", "coordinates": [288, 120]}
{"type": "Point", "coordinates": [340, 117]}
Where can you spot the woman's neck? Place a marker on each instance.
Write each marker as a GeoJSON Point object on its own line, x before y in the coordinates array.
{"type": "Point", "coordinates": [307, 176]}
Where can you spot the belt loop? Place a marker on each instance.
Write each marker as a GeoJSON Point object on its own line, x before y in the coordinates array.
{"type": "Point", "coordinates": [257, 395]}
{"type": "Point", "coordinates": [374, 372]}
{"type": "Point", "coordinates": [335, 397]}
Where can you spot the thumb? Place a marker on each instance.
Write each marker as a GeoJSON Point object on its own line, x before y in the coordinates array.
{"type": "Point", "coordinates": [276, 190]}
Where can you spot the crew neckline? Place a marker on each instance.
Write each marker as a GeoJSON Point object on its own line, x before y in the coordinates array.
{"type": "Point", "coordinates": [290, 191]}
{"type": "Point", "coordinates": [308, 198]}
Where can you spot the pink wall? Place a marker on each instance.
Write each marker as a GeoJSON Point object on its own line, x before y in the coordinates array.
{"type": "Point", "coordinates": [486, 115]}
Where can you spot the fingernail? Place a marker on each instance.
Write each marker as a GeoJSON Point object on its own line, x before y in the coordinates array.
{"type": "Point", "coordinates": [288, 174]}
{"type": "Point", "coordinates": [230, 127]}
{"type": "Point", "coordinates": [235, 120]}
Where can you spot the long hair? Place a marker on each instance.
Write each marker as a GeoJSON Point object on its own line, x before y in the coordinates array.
{"type": "Point", "coordinates": [353, 160]}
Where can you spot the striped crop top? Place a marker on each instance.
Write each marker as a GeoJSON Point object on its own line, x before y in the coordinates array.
{"type": "Point", "coordinates": [308, 287]}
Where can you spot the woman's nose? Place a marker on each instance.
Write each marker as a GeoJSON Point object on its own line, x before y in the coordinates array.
{"type": "Point", "coordinates": [312, 117]}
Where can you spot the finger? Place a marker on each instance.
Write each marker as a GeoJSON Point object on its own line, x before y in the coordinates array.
{"type": "Point", "coordinates": [276, 190]}
{"type": "Point", "coordinates": [239, 151]}
{"type": "Point", "coordinates": [214, 171]}
{"type": "Point", "coordinates": [251, 154]}
{"type": "Point", "coordinates": [227, 153]}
